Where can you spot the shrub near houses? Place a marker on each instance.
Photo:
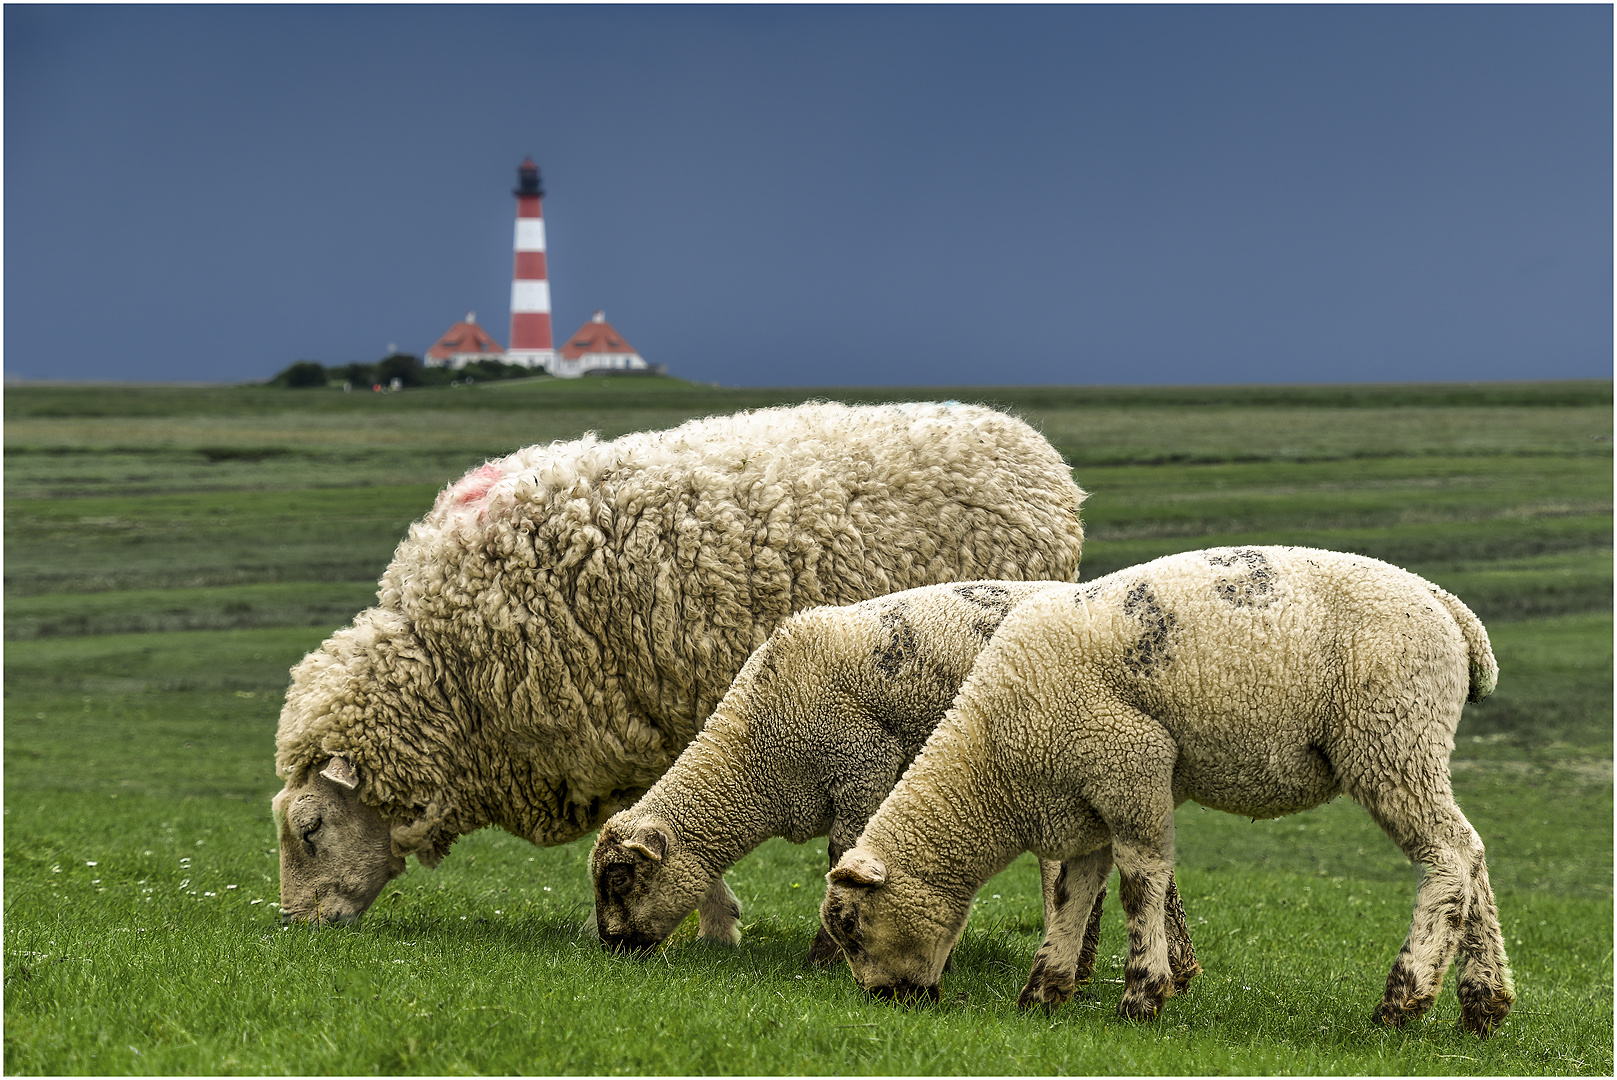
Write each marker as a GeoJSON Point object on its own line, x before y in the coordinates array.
{"type": "Point", "coordinates": [404, 367]}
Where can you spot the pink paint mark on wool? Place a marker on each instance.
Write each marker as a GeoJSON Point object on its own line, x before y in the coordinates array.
{"type": "Point", "coordinates": [475, 486]}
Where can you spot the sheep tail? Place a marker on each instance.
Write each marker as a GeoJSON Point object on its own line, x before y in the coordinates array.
{"type": "Point", "coordinates": [1484, 668]}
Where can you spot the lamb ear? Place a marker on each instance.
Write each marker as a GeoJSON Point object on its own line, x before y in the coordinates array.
{"type": "Point", "coordinates": [338, 771]}
{"type": "Point", "coordinates": [858, 868]}
{"type": "Point", "coordinates": [650, 840]}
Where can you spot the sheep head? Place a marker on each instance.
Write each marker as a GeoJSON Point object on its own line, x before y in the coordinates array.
{"type": "Point", "coordinates": [646, 883]}
{"type": "Point", "coordinates": [336, 852]}
{"type": "Point", "coordinates": [895, 931]}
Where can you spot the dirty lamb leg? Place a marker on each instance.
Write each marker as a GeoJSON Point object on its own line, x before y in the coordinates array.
{"type": "Point", "coordinates": [1072, 927]}
{"type": "Point", "coordinates": [1085, 971]}
{"type": "Point", "coordinates": [1181, 951]}
{"type": "Point", "coordinates": [718, 915]}
{"type": "Point", "coordinates": [1486, 989]}
{"type": "Point", "coordinates": [1439, 839]}
{"type": "Point", "coordinates": [824, 951]}
{"type": "Point", "coordinates": [1051, 875]}
{"type": "Point", "coordinates": [1147, 977]}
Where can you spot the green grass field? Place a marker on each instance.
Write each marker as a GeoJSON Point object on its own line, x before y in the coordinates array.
{"type": "Point", "coordinates": [172, 551]}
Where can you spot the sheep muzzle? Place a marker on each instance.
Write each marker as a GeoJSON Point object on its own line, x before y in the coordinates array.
{"type": "Point", "coordinates": [905, 993]}
{"type": "Point", "coordinates": [631, 942]}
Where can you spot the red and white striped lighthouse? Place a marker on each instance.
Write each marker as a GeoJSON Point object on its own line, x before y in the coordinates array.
{"type": "Point", "coordinates": [530, 288]}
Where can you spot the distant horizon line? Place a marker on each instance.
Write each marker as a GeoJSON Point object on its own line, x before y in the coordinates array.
{"type": "Point", "coordinates": [33, 380]}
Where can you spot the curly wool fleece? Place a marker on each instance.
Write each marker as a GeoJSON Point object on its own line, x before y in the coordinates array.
{"type": "Point", "coordinates": [553, 633]}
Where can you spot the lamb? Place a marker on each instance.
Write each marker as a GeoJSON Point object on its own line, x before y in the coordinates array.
{"type": "Point", "coordinates": [812, 735]}
{"type": "Point", "coordinates": [1261, 681]}
{"type": "Point", "coordinates": [551, 635]}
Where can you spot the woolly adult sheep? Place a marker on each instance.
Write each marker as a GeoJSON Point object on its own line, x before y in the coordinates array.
{"type": "Point", "coordinates": [550, 636]}
{"type": "Point", "coordinates": [1261, 681]}
{"type": "Point", "coordinates": [810, 738]}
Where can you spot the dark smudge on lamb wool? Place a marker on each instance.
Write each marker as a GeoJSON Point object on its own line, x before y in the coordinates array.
{"type": "Point", "coordinates": [1150, 651]}
{"type": "Point", "coordinates": [1255, 588]}
{"type": "Point", "coordinates": [902, 644]}
{"type": "Point", "coordinates": [995, 602]}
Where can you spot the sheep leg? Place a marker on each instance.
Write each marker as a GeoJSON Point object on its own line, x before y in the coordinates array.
{"type": "Point", "coordinates": [718, 914]}
{"type": "Point", "coordinates": [1437, 838]}
{"type": "Point", "coordinates": [1071, 929]}
{"type": "Point", "coordinates": [1143, 876]}
{"type": "Point", "coordinates": [1181, 952]}
{"type": "Point", "coordinates": [1133, 795]}
{"type": "Point", "coordinates": [1049, 876]}
{"type": "Point", "coordinates": [1454, 911]}
{"type": "Point", "coordinates": [1486, 988]}
{"type": "Point", "coordinates": [824, 951]}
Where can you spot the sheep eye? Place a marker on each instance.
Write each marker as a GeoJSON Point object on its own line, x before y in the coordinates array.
{"type": "Point", "coordinates": [310, 830]}
{"type": "Point", "coordinates": [619, 877]}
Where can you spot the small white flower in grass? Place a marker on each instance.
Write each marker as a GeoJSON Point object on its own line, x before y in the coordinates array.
{"type": "Point", "coordinates": [97, 881]}
{"type": "Point", "coordinates": [184, 884]}
{"type": "Point", "coordinates": [57, 869]}
{"type": "Point", "coordinates": [92, 862]}
{"type": "Point", "coordinates": [497, 911]}
{"type": "Point", "coordinates": [547, 888]}
{"type": "Point", "coordinates": [232, 886]}
{"type": "Point", "coordinates": [210, 894]}
{"type": "Point", "coordinates": [255, 902]}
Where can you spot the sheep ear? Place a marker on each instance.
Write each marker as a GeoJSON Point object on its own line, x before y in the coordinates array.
{"type": "Point", "coordinates": [421, 837]}
{"type": "Point", "coordinates": [859, 869]}
{"type": "Point", "coordinates": [338, 771]}
{"type": "Point", "coordinates": [650, 840]}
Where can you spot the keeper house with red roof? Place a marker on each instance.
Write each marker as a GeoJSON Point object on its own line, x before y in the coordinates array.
{"type": "Point", "coordinates": [597, 346]}
{"type": "Point", "coordinates": [462, 344]}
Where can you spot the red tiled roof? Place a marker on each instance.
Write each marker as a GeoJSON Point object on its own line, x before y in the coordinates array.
{"type": "Point", "coordinates": [595, 336]}
{"type": "Point", "coordinates": [464, 338]}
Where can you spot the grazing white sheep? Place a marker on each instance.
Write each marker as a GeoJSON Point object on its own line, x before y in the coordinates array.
{"type": "Point", "coordinates": [813, 734]}
{"type": "Point", "coordinates": [551, 635]}
{"type": "Point", "coordinates": [1261, 681]}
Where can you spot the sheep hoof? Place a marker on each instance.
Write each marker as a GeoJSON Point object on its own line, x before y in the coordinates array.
{"type": "Point", "coordinates": [1049, 995]}
{"type": "Point", "coordinates": [1481, 1013]}
{"type": "Point", "coordinates": [1138, 1007]}
{"type": "Point", "coordinates": [726, 943]}
{"type": "Point", "coordinates": [1396, 1015]}
{"type": "Point", "coordinates": [1388, 1016]}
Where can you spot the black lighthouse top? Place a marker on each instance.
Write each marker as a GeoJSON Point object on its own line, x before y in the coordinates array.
{"type": "Point", "coordinates": [528, 179]}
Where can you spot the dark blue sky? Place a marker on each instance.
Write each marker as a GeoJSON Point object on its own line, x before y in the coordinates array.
{"type": "Point", "coordinates": [820, 195]}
